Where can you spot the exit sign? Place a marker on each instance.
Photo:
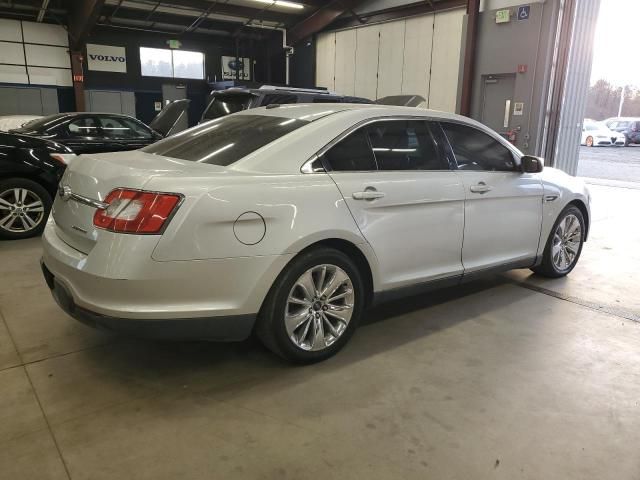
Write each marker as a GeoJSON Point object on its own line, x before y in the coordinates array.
{"type": "Point", "coordinates": [503, 16]}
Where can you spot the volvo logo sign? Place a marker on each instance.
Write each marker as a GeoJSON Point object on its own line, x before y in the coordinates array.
{"type": "Point", "coordinates": [106, 58]}
{"type": "Point", "coordinates": [65, 193]}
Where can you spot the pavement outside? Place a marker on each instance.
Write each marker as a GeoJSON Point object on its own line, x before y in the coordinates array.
{"type": "Point", "coordinates": [509, 377]}
{"type": "Point", "coordinates": [611, 163]}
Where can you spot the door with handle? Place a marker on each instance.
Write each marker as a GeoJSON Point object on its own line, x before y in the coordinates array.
{"type": "Point", "coordinates": [503, 206]}
{"type": "Point", "coordinates": [404, 198]}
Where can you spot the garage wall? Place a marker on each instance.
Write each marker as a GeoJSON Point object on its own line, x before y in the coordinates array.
{"type": "Point", "coordinates": [34, 53]}
{"type": "Point", "coordinates": [419, 55]}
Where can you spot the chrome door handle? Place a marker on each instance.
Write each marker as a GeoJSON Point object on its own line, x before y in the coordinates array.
{"type": "Point", "coordinates": [481, 187]}
{"type": "Point", "coordinates": [367, 195]}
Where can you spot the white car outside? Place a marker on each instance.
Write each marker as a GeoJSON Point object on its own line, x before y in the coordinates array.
{"type": "Point", "coordinates": [290, 220]}
{"type": "Point", "coordinates": [598, 134]}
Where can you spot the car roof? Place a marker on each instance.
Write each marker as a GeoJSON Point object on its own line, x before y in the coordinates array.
{"type": "Point", "coordinates": [276, 91]}
{"type": "Point", "coordinates": [315, 111]}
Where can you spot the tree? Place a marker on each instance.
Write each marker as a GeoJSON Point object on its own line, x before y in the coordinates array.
{"type": "Point", "coordinates": [603, 101]}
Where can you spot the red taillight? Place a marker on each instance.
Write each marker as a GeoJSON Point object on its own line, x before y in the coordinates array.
{"type": "Point", "coordinates": [58, 158]}
{"type": "Point", "coordinates": [133, 211]}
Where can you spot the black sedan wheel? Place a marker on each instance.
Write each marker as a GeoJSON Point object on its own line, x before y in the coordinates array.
{"type": "Point", "coordinates": [24, 208]}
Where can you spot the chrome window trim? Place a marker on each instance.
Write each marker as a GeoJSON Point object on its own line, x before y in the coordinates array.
{"type": "Point", "coordinates": [306, 166]}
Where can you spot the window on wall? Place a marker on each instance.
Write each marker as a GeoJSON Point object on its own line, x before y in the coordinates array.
{"type": "Point", "coordinates": [160, 62]}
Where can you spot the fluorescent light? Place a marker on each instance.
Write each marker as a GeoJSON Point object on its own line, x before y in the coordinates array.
{"type": "Point", "coordinates": [281, 3]}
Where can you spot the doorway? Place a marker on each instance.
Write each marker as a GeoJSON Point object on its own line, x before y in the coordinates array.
{"type": "Point", "coordinates": [497, 101]}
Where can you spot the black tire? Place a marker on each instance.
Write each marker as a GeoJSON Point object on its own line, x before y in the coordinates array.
{"type": "Point", "coordinates": [548, 268]}
{"type": "Point", "coordinates": [270, 327]}
{"type": "Point", "coordinates": [34, 189]}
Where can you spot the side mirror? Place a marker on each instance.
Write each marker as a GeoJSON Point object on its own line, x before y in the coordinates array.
{"type": "Point", "coordinates": [531, 164]}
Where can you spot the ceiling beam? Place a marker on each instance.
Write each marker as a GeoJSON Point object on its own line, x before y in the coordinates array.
{"type": "Point", "coordinates": [394, 13]}
{"type": "Point", "coordinates": [43, 10]}
{"type": "Point", "coordinates": [83, 15]}
{"type": "Point", "coordinates": [198, 6]}
{"type": "Point", "coordinates": [320, 19]}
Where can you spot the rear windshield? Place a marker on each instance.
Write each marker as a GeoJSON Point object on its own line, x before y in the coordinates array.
{"type": "Point", "coordinates": [41, 123]}
{"type": "Point", "coordinates": [226, 105]}
{"type": "Point", "coordinates": [226, 140]}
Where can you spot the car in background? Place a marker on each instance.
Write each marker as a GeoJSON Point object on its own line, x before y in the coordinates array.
{"type": "Point", "coordinates": [30, 169]}
{"type": "Point", "coordinates": [597, 134]}
{"type": "Point", "coordinates": [91, 132]}
{"type": "Point", "coordinates": [225, 102]}
{"type": "Point", "coordinates": [9, 122]}
{"type": "Point", "coordinates": [288, 221]}
{"type": "Point", "coordinates": [628, 126]}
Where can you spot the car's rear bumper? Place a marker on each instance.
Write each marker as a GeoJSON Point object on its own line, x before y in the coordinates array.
{"type": "Point", "coordinates": [220, 328]}
{"type": "Point", "coordinates": [128, 291]}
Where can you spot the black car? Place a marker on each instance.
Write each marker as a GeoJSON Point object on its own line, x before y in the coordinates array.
{"type": "Point", "coordinates": [30, 169]}
{"type": "Point", "coordinates": [89, 132]}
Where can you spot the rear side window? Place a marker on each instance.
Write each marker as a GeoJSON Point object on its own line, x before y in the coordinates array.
{"type": "Point", "coordinates": [226, 140]}
{"type": "Point", "coordinates": [84, 126]}
{"type": "Point", "coordinates": [475, 150]}
{"type": "Point", "coordinates": [327, 99]}
{"type": "Point", "coordinates": [396, 145]}
{"type": "Point", "coordinates": [352, 153]}
{"type": "Point", "coordinates": [119, 127]}
{"type": "Point", "coordinates": [226, 105]}
{"type": "Point", "coordinates": [271, 98]}
{"type": "Point", "coordinates": [404, 145]}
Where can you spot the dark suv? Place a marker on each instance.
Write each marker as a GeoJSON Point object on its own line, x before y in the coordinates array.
{"type": "Point", "coordinates": [225, 102]}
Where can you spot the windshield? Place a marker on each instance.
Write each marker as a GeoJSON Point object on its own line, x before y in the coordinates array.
{"type": "Point", "coordinates": [226, 140]}
{"type": "Point", "coordinates": [225, 105]}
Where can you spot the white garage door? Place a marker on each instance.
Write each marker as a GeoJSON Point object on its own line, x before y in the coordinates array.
{"type": "Point", "coordinates": [420, 55]}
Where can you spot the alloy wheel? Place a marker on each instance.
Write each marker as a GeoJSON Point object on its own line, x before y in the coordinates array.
{"type": "Point", "coordinates": [21, 210]}
{"type": "Point", "coordinates": [319, 307]}
{"type": "Point", "coordinates": [566, 243]}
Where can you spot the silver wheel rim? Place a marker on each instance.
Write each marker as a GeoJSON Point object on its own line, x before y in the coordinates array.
{"type": "Point", "coordinates": [319, 307]}
{"type": "Point", "coordinates": [21, 210]}
{"type": "Point", "coordinates": [566, 242]}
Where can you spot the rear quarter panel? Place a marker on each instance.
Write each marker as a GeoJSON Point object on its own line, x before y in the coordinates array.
{"type": "Point", "coordinates": [294, 211]}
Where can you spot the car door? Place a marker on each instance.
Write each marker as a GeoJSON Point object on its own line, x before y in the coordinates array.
{"type": "Point", "coordinates": [503, 206]}
{"type": "Point", "coordinates": [123, 133]}
{"type": "Point", "coordinates": [82, 134]}
{"type": "Point", "coordinates": [404, 198]}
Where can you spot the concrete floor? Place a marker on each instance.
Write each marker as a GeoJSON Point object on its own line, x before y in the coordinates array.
{"type": "Point", "coordinates": [510, 377]}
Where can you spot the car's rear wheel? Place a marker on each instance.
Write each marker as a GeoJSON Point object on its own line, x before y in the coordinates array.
{"type": "Point", "coordinates": [313, 307]}
{"type": "Point", "coordinates": [24, 208]}
{"type": "Point", "coordinates": [564, 245]}
{"type": "Point", "coordinates": [589, 142]}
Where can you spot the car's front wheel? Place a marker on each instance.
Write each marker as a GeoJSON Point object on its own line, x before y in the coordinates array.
{"type": "Point", "coordinates": [313, 307]}
{"type": "Point", "coordinates": [24, 208]}
{"type": "Point", "coordinates": [564, 245]}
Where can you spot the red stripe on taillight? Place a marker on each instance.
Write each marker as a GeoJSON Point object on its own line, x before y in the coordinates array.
{"type": "Point", "coordinates": [134, 211]}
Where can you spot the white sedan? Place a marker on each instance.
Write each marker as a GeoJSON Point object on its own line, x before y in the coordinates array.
{"type": "Point", "coordinates": [291, 220]}
{"type": "Point", "coordinates": [596, 134]}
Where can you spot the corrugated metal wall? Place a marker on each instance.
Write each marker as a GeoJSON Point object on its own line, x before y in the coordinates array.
{"type": "Point", "coordinates": [576, 85]}
{"type": "Point", "coordinates": [419, 55]}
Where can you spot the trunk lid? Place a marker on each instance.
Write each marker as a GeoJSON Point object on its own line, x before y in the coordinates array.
{"type": "Point", "coordinates": [168, 117]}
{"type": "Point", "coordinates": [90, 178]}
